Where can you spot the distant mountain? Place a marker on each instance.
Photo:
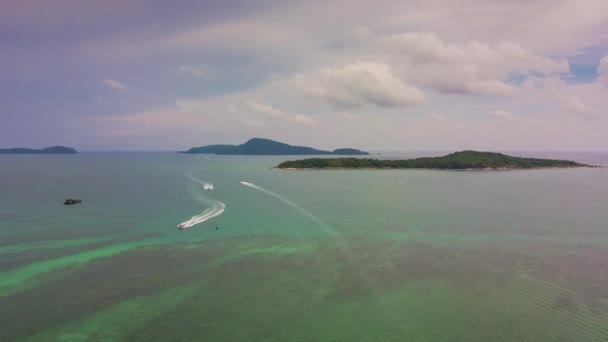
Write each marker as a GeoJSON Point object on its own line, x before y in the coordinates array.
{"type": "Point", "coordinates": [348, 152]}
{"type": "Point", "coordinates": [48, 150]}
{"type": "Point", "coordinates": [464, 160]}
{"type": "Point", "coordinates": [210, 149]}
{"type": "Point", "coordinates": [259, 146]}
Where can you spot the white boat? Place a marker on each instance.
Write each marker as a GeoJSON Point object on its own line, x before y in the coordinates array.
{"type": "Point", "coordinates": [208, 186]}
{"type": "Point", "coordinates": [182, 225]}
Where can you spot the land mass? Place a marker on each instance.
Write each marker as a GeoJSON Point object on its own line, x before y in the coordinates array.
{"type": "Point", "coordinates": [464, 160]}
{"type": "Point", "coordinates": [47, 150]}
{"type": "Point", "coordinates": [259, 146]}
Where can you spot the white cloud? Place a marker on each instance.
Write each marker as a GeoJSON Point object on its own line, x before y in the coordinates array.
{"type": "Point", "coordinates": [292, 117]}
{"type": "Point", "coordinates": [359, 60]}
{"type": "Point", "coordinates": [114, 84]}
{"type": "Point", "coordinates": [474, 68]}
{"type": "Point", "coordinates": [446, 121]}
{"type": "Point", "coordinates": [578, 108]}
{"type": "Point", "coordinates": [344, 115]}
{"type": "Point", "coordinates": [359, 84]}
{"type": "Point", "coordinates": [602, 71]}
{"type": "Point", "coordinates": [504, 115]}
{"type": "Point", "coordinates": [192, 70]}
{"type": "Point", "coordinates": [250, 122]}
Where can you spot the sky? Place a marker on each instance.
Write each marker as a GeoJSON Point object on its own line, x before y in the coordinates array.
{"type": "Point", "coordinates": [376, 75]}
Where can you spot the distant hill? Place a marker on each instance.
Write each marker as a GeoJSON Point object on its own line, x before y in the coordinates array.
{"type": "Point", "coordinates": [465, 160]}
{"type": "Point", "coordinates": [259, 146]}
{"type": "Point", "coordinates": [48, 150]}
{"type": "Point", "coordinates": [210, 149]}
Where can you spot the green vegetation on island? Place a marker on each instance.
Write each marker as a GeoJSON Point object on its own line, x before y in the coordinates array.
{"type": "Point", "coordinates": [259, 146]}
{"type": "Point", "coordinates": [464, 160]}
{"type": "Point", "coordinates": [48, 150]}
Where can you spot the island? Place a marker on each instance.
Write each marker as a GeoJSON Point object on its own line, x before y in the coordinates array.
{"type": "Point", "coordinates": [47, 150]}
{"type": "Point", "coordinates": [260, 146]}
{"type": "Point", "coordinates": [464, 160]}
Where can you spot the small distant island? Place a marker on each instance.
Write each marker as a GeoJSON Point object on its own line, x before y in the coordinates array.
{"type": "Point", "coordinates": [47, 150]}
{"type": "Point", "coordinates": [464, 160]}
{"type": "Point", "coordinates": [259, 146]}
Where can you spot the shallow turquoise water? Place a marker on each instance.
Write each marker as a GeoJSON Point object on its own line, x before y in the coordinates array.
{"type": "Point", "coordinates": [314, 255]}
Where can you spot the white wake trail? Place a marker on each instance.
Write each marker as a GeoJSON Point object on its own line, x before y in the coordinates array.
{"type": "Point", "coordinates": [217, 208]}
{"type": "Point", "coordinates": [206, 185]}
{"type": "Point", "coordinates": [288, 202]}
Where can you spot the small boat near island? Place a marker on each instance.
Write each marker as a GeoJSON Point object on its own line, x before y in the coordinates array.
{"type": "Point", "coordinates": [71, 201]}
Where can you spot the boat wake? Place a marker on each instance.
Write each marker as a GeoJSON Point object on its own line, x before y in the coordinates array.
{"type": "Point", "coordinates": [206, 185]}
{"type": "Point", "coordinates": [216, 208]}
{"type": "Point", "coordinates": [288, 202]}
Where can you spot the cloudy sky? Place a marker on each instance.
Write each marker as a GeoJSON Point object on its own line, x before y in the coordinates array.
{"type": "Point", "coordinates": [377, 75]}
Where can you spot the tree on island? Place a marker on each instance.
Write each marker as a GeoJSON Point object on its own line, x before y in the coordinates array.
{"type": "Point", "coordinates": [464, 160]}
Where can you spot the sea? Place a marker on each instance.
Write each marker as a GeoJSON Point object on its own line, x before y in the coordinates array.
{"type": "Point", "coordinates": [277, 255]}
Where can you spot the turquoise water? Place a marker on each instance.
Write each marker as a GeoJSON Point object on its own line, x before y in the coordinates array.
{"type": "Point", "coordinates": [299, 255]}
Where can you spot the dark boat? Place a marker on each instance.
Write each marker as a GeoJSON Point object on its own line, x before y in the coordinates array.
{"type": "Point", "coordinates": [71, 201]}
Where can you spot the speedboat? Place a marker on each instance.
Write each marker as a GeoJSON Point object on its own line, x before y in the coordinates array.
{"type": "Point", "coordinates": [208, 186]}
{"type": "Point", "coordinates": [71, 201]}
{"type": "Point", "coordinates": [182, 225]}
